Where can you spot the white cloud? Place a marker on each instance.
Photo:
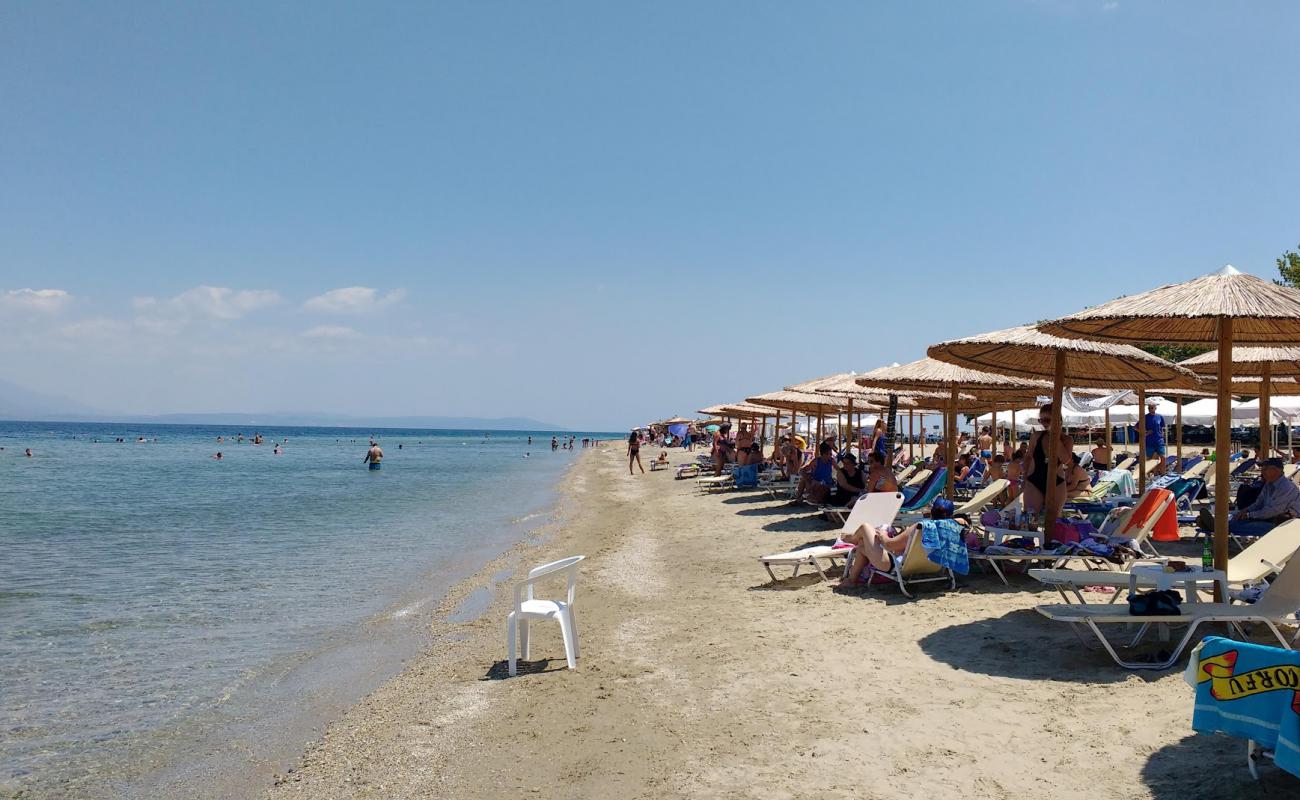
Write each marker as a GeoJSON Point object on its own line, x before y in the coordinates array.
{"type": "Point", "coordinates": [47, 301]}
{"type": "Point", "coordinates": [331, 332]}
{"type": "Point", "coordinates": [353, 300]}
{"type": "Point", "coordinates": [1111, 6]}
{"type": "Point", "coordinates": [219, 302]}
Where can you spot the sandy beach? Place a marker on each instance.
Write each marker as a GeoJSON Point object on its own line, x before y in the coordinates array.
{"type": "Point", "coordinates": [700, 678]}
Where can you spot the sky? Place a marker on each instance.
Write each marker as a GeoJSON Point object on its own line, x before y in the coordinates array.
{"type": "Point", "coordinates": [598, 214]}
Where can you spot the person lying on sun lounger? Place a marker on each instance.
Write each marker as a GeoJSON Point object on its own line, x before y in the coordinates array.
{"type": "Point", "coordinates": [878, 547]}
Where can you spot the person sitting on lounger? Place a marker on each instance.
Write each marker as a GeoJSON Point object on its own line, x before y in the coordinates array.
{"type": "Point", "coordinates": [1278, 501]}
{"type": "Point", "coordinates": [880, 478]}
{"type": "Point", "coordinates": [817, 477]}
{"type": "Point", "coordinates": [1101, 455]}
{"type": "Point", "coordinates": [1078, 483]}
{"type": "Point", "coordinates": [850, 482]}
{"type": "Point", "coordinates": [663, 458]}
{"type": "Point", "coordinates": [879, 547]}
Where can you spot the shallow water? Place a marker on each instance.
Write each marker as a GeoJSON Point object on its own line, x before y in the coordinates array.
{"type": "Point", "coordinates": [163, 614]}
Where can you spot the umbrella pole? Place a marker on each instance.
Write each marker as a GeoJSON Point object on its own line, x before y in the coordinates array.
{"type": "Point", "coordinates": [776, 435]}
{"type": "Point", "coordinates": [848, 434]}
{"type": "Point", "coordinates": [1222, 434]}
{"type": "Point", "coordinates": [911, 436]}
{"type": "Point", "coordinates": [1142, 440]}
{"type": "Point", "coordinates": [1265, 418]}
{"type": "Point", "coordinates": [950, 422]}
{"type": "Point", "coordinates": [1109, 433]}
{"type": "Point", "coordinates": [1053, 443]}
{"type": "Point", "coordinates": [820, 418]}
{"type": "Point", "coordinates": [1179, 402]}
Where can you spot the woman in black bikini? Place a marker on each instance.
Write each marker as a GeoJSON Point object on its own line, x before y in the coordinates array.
{"type": "Point", "coordinates": [850, 482]}
{"type": "Point", "coordinates": [634, 452]}
{"type": "Point", "coordinates": [1035, 467]}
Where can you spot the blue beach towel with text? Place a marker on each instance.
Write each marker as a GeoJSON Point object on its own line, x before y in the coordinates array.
{"type": "Point", "coordinates": [1251, 691]}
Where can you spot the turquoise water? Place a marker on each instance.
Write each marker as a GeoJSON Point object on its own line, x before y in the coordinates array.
{"type": "Point", "coordinates": [159, 607]}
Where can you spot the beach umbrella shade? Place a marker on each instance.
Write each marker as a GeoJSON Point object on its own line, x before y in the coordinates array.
{"type": "Point", "coordinates": [1027, 352]}
{"type": "Point", "coordinates": [929, 375]}
{"type": "Point", "coordinates": [1264, 363]}
{"type": "Point", "coordinates": [1222, 309]}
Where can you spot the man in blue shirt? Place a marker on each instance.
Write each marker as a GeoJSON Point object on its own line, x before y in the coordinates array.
{"type": "Point", "coordinates": [1278, 501]}
{"type": "Point", "coordinates": [1155, 443]}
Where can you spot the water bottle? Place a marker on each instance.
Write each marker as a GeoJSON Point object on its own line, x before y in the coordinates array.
{"type": "Point", "coordinates": [1207, 556]}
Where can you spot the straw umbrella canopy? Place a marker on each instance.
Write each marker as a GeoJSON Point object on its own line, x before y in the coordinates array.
{"type": "Point", "coordinates": [1265, 363]}
{"type": "Point", "coordinates": [929, 375]}
{"type": "Point", "coordinates": [805, 402]}
{"type": "Point", "coordinates": [1222, 309]}
{"type": "Point", "coordinates": [1025, 351]}
{"type": "Point", "coordinates": [842, 385]}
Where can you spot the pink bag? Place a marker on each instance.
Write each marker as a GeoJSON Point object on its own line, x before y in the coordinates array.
{"type": "Point", "coordinates": [1065, 533]}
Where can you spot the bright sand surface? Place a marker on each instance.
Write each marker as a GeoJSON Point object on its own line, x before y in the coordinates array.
{"type": "Point", "coordinates": [699, 678]}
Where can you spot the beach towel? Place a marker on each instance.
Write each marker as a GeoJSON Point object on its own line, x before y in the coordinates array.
{"type": "Point", "coordinates": [1123, 480]}
{"type": "Point", "coordinates": [1251, 691]}
{"type": "Point", "coordinates": [944, 545]}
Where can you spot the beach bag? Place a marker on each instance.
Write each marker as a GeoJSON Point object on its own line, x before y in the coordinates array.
{"type": "Point", "coordinates": [1164, 603]}
{"type": "Point", "coordinates": [1065, 533]}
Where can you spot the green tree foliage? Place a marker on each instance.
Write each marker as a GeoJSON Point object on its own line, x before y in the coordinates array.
{"type": "Point", "coordinates": [1288, 266]}
{"type": "Point", "coordinates": [1174, 352]}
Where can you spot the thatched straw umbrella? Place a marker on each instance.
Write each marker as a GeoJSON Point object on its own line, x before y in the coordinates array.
{"type": "Point", "coordinates": [739, 411]}
{"type": "Point", "coordinates": [1264, 363]}
{"type": "Point", "coordinates": [842, 385]}
{"type": "Point", "coordinates": [1222, 309]}
{"type": "Point", "coordinates": [806, 402]}
{"type": "Point", "coordinates": [1026, 352]}
{"type": "Point", "coordinates": [928, 375]}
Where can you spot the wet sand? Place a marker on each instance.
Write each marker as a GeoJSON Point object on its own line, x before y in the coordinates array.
{"type": "Point", "coordinates": [701, 678]}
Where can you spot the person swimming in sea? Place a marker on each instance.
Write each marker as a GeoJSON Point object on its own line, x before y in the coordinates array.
{"type": "Point", "coordinates": [218, 456]}
{"type": "Point", "coordinates": [277, 449]}
{"type": "Point", "coordinates": [28, 453]}
{"type": "Point", "coordinates": [374, 455]}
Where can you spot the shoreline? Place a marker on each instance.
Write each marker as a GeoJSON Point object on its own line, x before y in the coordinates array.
{"type": "Point", "coordinates": [242, 754]}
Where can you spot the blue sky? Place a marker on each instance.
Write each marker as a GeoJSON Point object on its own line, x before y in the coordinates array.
{"type": "Point", "coordinates": [600, 213]}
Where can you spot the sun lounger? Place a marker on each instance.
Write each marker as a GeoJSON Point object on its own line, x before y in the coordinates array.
{"type": "Point", "coordinates": [928, 492]}
{"type": "Point", "coordinates": [1126, 464]}
{"type": "Point", "coordinates": [1277, 606]}
{"type": "Point", "coordinates": [914, 567]}
{"type": "Point", "coordinates": [875, 508]}
{"type": "Point", "coordinates": [1251, 566]}
{"type": "Point", "coordinates": [1138, 526]}
{"type": "Point", "coordinates": [970, 508]}
{"type": "Point", "coordinates": [904, 474]}
{"type": "Point", "coordinates": [714, 483]}
{"type": "Point", "coordinates": [1198, 470]}
{"type": "Point", "coordinates": [917, 478]}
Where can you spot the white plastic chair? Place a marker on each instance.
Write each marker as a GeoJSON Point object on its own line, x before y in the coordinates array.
{"type": "Point", "coordinates": [527, 609]}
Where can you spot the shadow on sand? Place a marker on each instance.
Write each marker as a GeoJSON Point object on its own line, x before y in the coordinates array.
{"type": "Point", "coordinates": [1203, 765]}
{"type": "Point", "coordinates": [501, 669]}
{"type": "Point", "coordinates": [1023, 644]}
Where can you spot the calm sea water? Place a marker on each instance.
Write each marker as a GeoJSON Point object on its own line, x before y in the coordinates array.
{"type": "Point", "coordinates": [163, 613]}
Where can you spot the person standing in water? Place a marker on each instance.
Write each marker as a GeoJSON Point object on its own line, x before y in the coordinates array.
{"type": "Point", "coordinates": [374, 455]}
{"type": "Point", "coordinates": [634, 452]}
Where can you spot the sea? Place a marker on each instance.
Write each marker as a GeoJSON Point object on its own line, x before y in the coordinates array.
{"type": "Point", "coordinates": [173, 625]}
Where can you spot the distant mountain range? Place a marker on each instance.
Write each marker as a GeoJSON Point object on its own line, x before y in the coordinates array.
{"type": "Point", "coordinates": [18, 403]}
